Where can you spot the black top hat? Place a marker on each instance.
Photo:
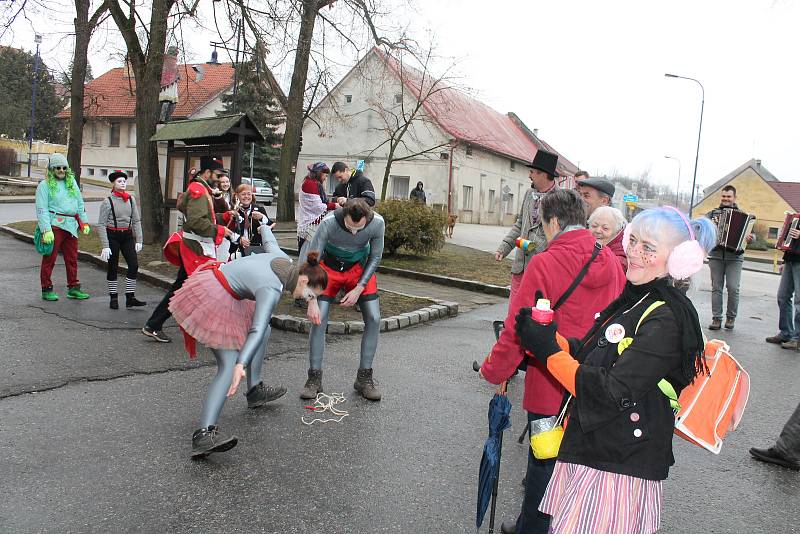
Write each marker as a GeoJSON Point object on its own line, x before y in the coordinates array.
{"type": "Point", "coordinates": [212, 163]}
{"type": "Point", "coordinates": [545, 161]}
{"type": "Point", "coordinates": [117, 174]}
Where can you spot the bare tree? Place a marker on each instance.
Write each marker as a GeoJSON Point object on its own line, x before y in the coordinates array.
{"type": "Point", "coordinates": [84, 26]}
{"type": "Point", "coordinates": [146, 59]}
{"type": "Point", "coordinates": [408, 130]}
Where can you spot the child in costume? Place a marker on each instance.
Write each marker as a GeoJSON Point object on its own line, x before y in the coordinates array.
{"type": "Point", "coordinates": [351, 243]}
{"type": "Point", "coordinates": [228, 307]}
{"type": "Point", "coordinates": [60, 215]}
{"type": "Point", "coordinates": [120, 230]}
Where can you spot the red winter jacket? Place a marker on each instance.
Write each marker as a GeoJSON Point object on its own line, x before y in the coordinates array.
{"type": "Point", "coordinates": [552, 272]}
{"type": "Point", "coordinates": [615, 246]}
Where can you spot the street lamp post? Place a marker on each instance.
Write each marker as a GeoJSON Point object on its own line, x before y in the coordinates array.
{"type": "Point", "coordinates": [677, 185]}
{"type": "Point", "coordinates": [699, 132]}
{"type": "Point", "coordinates": [38, 41]}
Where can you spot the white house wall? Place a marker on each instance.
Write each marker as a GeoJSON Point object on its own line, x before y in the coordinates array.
{"type": "Point", "coordinates": [343, 131]}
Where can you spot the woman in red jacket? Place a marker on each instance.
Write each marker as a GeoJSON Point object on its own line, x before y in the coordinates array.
{"type": "Point", "coordinates": [570, 247]}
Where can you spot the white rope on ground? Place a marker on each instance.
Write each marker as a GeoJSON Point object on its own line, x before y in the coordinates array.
{"type": "Point", "coordinates": [326, 403]}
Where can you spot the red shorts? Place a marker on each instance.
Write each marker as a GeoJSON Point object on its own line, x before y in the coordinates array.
{"type": "Point", "coordinates": [348, 280]}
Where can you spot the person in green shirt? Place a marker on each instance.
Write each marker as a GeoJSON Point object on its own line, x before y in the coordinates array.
{"type": "Point", "coordinates": [60, 215]}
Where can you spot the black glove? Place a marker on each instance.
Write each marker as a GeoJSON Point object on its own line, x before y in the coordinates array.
{"type": "Point", "coordinates": [538, 339]}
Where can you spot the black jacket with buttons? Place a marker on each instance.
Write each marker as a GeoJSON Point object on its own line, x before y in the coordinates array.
{"type": "Point", "coordinates": [620, 421]}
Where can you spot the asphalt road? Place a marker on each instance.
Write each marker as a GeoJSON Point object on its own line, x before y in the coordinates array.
{"type": "Point", "coordinates": [102, 445]}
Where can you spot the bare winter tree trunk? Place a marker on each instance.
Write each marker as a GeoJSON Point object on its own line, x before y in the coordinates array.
{"type": "Point", "coordinates": [147, 72]}
{"type": "Point", "coordinates": [84, 26]}
{"type": "Point", "coordinates": [294, 111]}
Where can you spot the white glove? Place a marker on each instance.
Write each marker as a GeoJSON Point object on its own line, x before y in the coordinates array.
{"type": "Point", "coordinates": [137, 247]}
{"type": "Point", "coordinates": [105, 254]}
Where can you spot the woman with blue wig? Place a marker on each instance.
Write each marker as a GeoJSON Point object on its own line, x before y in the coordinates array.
{"type": "Point", "coordinates": [617, 447]}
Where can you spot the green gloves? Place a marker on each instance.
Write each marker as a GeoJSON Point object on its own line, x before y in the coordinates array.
{"type": "Point", "coordinates": [86, 229]}
{"type": "Point", "coordinates": [48, 237]}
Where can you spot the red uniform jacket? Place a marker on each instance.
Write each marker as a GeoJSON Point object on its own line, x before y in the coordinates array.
{"type": "Point", "coordinates": [552, 271]}
{"type": "Point", "coordinates": [615, 246]}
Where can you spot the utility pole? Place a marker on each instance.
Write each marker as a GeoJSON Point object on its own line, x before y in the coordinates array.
{"type": "Point", "coordinates": [38, 41]}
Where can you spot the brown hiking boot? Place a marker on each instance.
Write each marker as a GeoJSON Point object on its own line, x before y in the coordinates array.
{"type": "Point", "coordinates": [777, 340]}
{"type": "Point", "coordinates": [716, 324]}
{"type": "Point", "coordinates": [729, 323]}
{"type": "Point", "coordinates": [313, 384]}
{"type": "Point", "coordinates": [365, 385]}
{"type": "Point", "coordinates": [791, 344]}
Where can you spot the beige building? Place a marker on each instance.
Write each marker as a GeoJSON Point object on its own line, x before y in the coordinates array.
{"type": "Point", "coordinates": [470, 157]}
{"type": "Point", "coordinates": [189, 91]}
{"type": "Point", "coordinates": [758, 192]}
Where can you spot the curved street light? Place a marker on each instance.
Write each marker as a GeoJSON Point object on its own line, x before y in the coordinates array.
{"type": "Point", "coordinates": [699, 132]}
{"type": "Point", "coordinates": [678, 184]}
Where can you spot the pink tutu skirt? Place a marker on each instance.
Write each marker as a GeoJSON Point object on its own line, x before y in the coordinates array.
{"type": "Point", "coordinates": [209, 313]}
{"type": "Point", "coordinates": [582, 500]}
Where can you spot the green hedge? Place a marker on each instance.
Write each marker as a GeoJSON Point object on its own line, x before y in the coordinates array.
{"type": "Point", "coordinates": [412, 226]}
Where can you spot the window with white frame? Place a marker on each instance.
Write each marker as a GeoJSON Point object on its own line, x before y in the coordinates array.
{"type": "Point", "coordinates": [466, 203]}
{"type": "Point", "coordinates": [348, 98]}
{"type": "Point", "coordinates": [113, 138]}
{"type": "Point", "coordinates": [510, 203]}
{"type": "Point", "coordinates": [398, 98]}
{"type": "Point", "coordinates": [400, 186]}
{"type": "Point", "coordinates": [103, 172]}
{"type": "Point", "coordinates": [90, 171]}
{"type": "Point", "coordinates": [491, 200]}
{"type": "Point", "coordinates": [513, 165]}
{"type": "Point", "coordinates": [469, 150]}
{"type": "Point", "coordinates": [131, 134]}
{"type": "Point", "coordinates": [95, 133]}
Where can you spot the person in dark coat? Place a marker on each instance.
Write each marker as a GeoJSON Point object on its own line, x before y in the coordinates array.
{"type": "Point", "coordinates": [569, 247]}
{"type": "Point", "coordinates": [418, 194]}
{"type": "Point", "coordinates": [617, 445]}
{"type": "Point", "coordinates": [355, 185]}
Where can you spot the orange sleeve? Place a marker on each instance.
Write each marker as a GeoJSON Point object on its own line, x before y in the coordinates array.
{"type": "Point", "coordinates": [564, 367]}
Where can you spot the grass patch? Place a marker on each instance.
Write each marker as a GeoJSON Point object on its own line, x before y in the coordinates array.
{"type": "Point", "coordinates": [458, 262]}
{"type": "Point", "coordinates": [150, 258]}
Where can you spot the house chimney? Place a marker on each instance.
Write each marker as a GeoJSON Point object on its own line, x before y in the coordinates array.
{"type": "Point", "coordinates": [214, 58]}
{"type": "Point", "coordinates": [758, 162]}
{"type": "Point", "coordinates": [536, 132]}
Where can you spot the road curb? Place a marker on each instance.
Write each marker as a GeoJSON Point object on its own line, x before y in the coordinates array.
{"type": "Point", "coordinates": [441, 309]}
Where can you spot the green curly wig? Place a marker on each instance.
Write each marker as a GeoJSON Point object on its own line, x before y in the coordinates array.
{"type": "Point", "coordinates": [69, 179]}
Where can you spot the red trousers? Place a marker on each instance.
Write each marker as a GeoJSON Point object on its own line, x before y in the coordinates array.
{"type": "Point", "coordinates": [68, 245]}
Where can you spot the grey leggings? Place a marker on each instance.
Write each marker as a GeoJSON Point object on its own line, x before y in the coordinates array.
{"type": "Point", "coordinates": [251, 356]}
{"type": "Point", "coordinates": [370, 311]}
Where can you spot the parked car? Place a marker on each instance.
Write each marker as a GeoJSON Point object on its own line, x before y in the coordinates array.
{"type": "Point", "coordinates": [263, 191]}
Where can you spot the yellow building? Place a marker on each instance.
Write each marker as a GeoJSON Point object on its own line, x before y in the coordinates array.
{"type": "Point", "coordinates": [757, 192]}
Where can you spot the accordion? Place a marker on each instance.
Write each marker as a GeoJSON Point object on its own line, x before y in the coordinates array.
{"type": "Point", "coordinates": [733, 228]}
{"type": "Point", "coordinates": [786, 243]}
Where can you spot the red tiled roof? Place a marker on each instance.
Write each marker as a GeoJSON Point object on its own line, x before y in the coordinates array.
{"type": "Point", "coordinates": [470, 120]}
{"type": "Point", "coordinates": [112, 95]}
{"type": "Point", "coordinates": [788, 191]}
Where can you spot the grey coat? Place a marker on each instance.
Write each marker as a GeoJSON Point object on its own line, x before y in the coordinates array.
{"type": "Point", "coordinates": [127, 214]}
{"type": "Point", "coordinates": [528, 226]}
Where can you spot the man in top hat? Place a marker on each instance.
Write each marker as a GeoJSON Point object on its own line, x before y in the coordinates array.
{"type": "Point", "coordinates": [196, 243]}
{"type": "Point", "coordinates": [60, 215]}
{"type": "Point", "coordinates": [528, 224]}
{"type": "Point", "coordinates": [595, 192]}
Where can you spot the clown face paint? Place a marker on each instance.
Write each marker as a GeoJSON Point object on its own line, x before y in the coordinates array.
{"type": "Point", "coordinates": [647, 259]}
{"type": "Point", "coordinates": [120, 184]}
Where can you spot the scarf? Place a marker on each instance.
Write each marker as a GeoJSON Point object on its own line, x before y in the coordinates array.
{"type": "Point", "coordinates": [121, 194]}
{"type": "Point", "coordinates": [535, 201]}
{"type": "Point", "coordinates": [683, 310]}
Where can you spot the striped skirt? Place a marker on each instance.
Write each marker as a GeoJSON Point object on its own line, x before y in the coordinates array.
{"type": "Point", "coordinates": [582, 500]}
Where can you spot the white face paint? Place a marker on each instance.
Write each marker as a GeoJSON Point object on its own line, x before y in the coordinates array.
{"type": "Point", "coordinates": [120, 184]}
{"type": "Point", "coordinates": [308, 294]}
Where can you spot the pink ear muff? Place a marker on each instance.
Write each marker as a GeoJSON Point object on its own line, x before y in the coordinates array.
{"type": "Point", "coordinates": [626, 238]}
{"type": "Point", "coordinates": [685, 260]}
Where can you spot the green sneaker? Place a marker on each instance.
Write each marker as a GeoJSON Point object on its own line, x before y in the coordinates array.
{"type": "Point", "coordinates": [76, 293]}
{"type": "Point", "coordinates": [49, 294]}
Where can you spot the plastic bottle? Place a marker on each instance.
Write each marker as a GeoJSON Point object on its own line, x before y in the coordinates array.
{"type": "Point", "coordinates": [542, 313]}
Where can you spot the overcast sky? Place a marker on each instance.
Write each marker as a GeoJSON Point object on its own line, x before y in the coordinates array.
{"type": "Point", "coordinates": [590, 76]}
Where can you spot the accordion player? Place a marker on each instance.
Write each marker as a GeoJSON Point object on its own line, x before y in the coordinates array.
{"type": "Point", "coordinates": [785, 241]}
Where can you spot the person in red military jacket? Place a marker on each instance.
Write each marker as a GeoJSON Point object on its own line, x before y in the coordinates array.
{"type": "Point", "coordinates": [197, 242]}
{"type": "Point", "coordinates": [550, 273]}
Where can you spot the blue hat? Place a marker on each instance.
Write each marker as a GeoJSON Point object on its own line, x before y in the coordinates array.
{"type": "Point", "coordinates": [57, 160]}
{"type": "Point", "coordinates": [320, 167]}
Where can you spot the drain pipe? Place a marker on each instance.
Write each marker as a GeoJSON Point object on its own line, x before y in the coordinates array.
{"type": "Point", "coordinates": [450, 179]}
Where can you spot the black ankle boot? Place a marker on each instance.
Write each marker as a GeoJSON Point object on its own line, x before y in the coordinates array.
{"type": "Point", "coordinates": [113, 303]}
{"type": "Point", "coordinates": [208, 440]}
{"type": "Point", "coordinates": [260, 394]}
{"type": "Point", "coordinates": [131, 301]}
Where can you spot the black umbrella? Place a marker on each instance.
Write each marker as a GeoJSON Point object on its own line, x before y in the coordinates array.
{"type": "Point", "coordinates": [488, 474]}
